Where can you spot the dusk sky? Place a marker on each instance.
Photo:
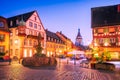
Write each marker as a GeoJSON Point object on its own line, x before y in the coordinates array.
{"type": "Point", "coordinates": [58, 15]}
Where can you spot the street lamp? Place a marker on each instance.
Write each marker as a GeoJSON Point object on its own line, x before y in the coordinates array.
{"type": "Point", "coordinates": [74, 58]}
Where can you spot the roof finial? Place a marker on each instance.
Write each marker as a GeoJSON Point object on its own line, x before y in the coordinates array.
{"type": "Point", "coordinates": [22, 22]}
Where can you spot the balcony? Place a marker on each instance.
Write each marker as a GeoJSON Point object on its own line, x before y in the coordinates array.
{"type": "Point", "coordinates": [34, 37]}
{"type": "Point", "coordinates": [22, 34]}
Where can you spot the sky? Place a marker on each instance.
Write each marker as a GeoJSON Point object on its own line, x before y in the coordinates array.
{"type": "Point", "coordinates": [59, 15]}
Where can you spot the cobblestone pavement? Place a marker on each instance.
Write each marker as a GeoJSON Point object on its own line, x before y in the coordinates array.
{"type": "Point", "coordinates": [63, 71]}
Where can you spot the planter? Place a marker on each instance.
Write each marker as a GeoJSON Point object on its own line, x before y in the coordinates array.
{"type": "Point", "coordinates": [39, 61]}
{"type": "Point", "coordinates": [92, 65]}
{"type": "Point", "coordinates": [105, 66]}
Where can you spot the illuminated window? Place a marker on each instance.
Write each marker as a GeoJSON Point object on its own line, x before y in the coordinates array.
{"type": "Point", "coordinates": [25, 41]}
{"type": "Point", "coordinates": [2, 37]}
{"type": "Point", "coordinates": [35, 43]}
{"type": "Point", "coordinates": [30, 42]}
{"type": "Point", "coordinates": [25, 53]}
{"type": "Point", "coordinates": [1, 48]}
{"type": "Point", "coordinates": [111, 30]}
{"type": "Point", "coordinates": [100, 30]}
{"type": "Point", "coordinates": [11, 42]}
{"type": "Point", "coordinates": [16, 31]}
{"type": "Point", "coordinates": [11, 52]}
{"type": "Point", "coordinates": [30, 54]}
{"type": "Point", "coordinates": [16, 52]}
{"type": "Point", "coordinates": [16, 41]}
{"type": "Point", "coordinates": [11, 33]}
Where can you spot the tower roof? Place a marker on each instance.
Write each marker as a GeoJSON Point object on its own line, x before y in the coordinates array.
{"type": "Point", "coordinates": [79, 35]}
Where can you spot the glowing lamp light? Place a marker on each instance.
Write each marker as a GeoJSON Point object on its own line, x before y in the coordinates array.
{"type": "Point", "coordinates": [95, 55]}
{"type": "Point", "coordinates": [30, 53]}
{"type": "Point", "coordinates": [16, 41]}
{"type": "Point", "coordinates": [106, 44]}
{"type": "Point", "coordinates": [95, 44]}
{"type": "Point", "coordinates": [25, 53]}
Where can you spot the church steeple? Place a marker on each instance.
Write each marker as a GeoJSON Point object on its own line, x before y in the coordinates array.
{"type": "Point", "coordinates": [78, 41]}
{"type": "Point", "coordinates": [79, 34]}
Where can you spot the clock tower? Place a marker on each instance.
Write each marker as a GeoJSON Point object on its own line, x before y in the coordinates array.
{"type": "Point", "coordinates": [78, 41]}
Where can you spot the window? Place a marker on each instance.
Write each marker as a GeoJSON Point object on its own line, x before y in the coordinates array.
{"type": "Point", "coordinates": [35, 25]}
{"type": "Point", "coordinates": [30, 32]}
{"type": "Point", "coordinates": [101, 40]}
{"type": "Point", "coordinates": [1, 48]}
{"type": "Point", "coordinates": [11, 43]}
{"type": "Point", "coordinates": [30, 24]}
{"type": "Point", "coordinates": [25, 41]}
{"type": "Point", "coordinates": [17, 22]}
{"type": "Point", "coordinates": [48, 38]}
{"type": "Point", "coordinates": [35, 18]}
{"type": "Point", "coordinates": [112, 40]}
{"type": "Point", "coordinates": [100, 30]}
{"type": "Point", "coordinates": [16, 52]}
{"type": "Point", "coordinates": [30, 42]}
{"type": "Point", "coordinates": [35, 43]}
{"type": "Point", "coordinates": [2, 36]}
{"type": "Point", "coordinates": [11, 52]}
{"type": "Point", "coordinates": [16, 31]}
{"type": "Point", "coordinates": [11, 23]}
{"type": "Point", "coordinates": [39, 27]}
{"type": "Point", "coordinates": [42, 35]}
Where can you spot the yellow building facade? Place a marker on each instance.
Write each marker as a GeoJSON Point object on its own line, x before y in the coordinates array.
{"type": "Point", "coordinates": [4, 36]}
{"type": "Point", "coordinates": [54, 45]}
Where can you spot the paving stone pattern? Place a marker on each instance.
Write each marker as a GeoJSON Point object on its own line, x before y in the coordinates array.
{"type": "Point", "coordinates": [61, 72]}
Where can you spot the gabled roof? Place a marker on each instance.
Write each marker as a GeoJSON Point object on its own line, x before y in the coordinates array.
{"type": "Point", "coordinates": [24, 16]}
{"type": "Point", "coordinates": [64, 35]}
{"type": "Point", "coordinates": [105, 16]}
{"type": "Point", "coordinates": [2, 17]}
{"type": "Point", "coordinates": [52, 35]}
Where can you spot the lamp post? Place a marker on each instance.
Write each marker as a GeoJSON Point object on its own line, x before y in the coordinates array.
{"type": "Point", "coordinates": [74, 58]}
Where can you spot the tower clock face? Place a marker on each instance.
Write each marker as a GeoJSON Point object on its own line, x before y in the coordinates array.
{"type": "Point", "coordinates": [1, 24]}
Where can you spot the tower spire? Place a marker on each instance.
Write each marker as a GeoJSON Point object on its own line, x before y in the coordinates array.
{"type": "Point", "coordinates": [78, 41]}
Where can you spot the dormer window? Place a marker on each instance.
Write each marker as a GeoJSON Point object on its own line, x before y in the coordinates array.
{"type": "Point", "coordinates": [11, 23]}
{"type": "Point", "coordinates": [35, 18]}
{"type": "Point", "coordinates": [17, 22]}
